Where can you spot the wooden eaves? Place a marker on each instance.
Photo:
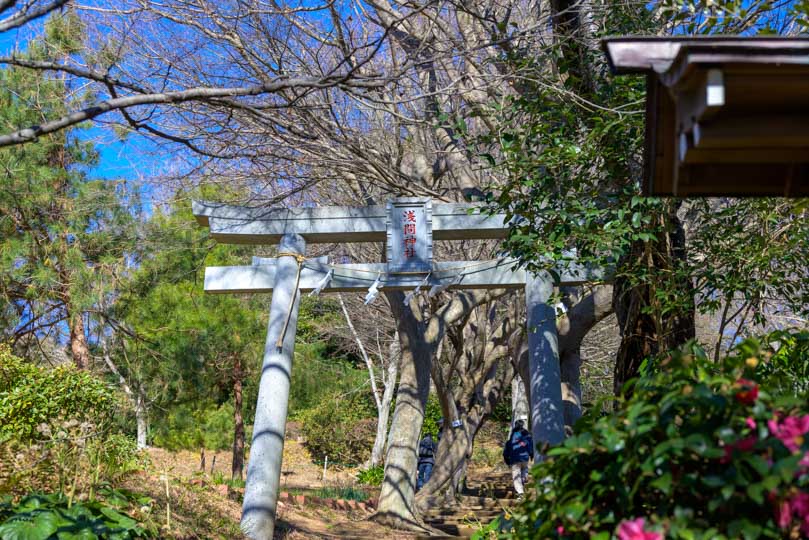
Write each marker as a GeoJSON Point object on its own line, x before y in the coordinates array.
{"type": "Point", "coordinates": [725, 116]}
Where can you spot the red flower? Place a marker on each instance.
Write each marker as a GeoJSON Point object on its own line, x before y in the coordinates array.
{"type": "Point", "coordinates": [742, 445]}
{"type": "Point", "coordinates": [634, 530]}
{"type": "Point", "coordinates": [748, 392]}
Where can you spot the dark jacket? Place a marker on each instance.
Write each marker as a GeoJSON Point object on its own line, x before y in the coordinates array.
{"type": "Point", "coordinates": [427, 450]}
{"type": "Point", "coordinates": [519, 448]}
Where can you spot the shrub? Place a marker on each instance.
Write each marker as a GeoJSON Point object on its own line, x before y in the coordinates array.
{"type": "Point", "coordinates": [31, 396]}
{"type": "Point", "coordinates": [56, 430]}
{"type": "Point", "coordinates": [342, 427]}
{"type": "Point", "coordinates": [372, 476]}
{"type": "Point", "coordinates": [699, 450]}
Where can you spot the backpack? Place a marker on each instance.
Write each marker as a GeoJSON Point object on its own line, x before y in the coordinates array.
{"type": "Point", "coordinates": [507, 452]}
{"type": "Point", "coordinates": [426, 448]}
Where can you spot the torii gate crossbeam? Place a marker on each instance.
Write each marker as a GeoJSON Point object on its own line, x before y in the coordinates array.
{"type": "Point", "coordinates": [292, 229]}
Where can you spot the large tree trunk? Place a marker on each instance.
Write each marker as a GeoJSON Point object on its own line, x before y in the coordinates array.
{"type": "Point", "coordinates": [646, 329]}
{"type": "Point", "coordinates": [396, 506]}
{"type": "Point", "coordinates": [419, 340]}
{"type": "Point", "coordinates": [78, 341]}
{"type": "Point", "coordinates": [237, 463]}
{"type": "Point", "coordinates": [449, 457]}
{"type": "Point", "coordinates": [471, 404]}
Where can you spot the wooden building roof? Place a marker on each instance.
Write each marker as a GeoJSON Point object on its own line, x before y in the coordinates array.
{"type": "Point", "coordinates": [725, 116]}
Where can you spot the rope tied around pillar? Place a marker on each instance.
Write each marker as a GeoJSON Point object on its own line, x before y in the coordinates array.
{"type": "Point", "coordinates": [300, 259]}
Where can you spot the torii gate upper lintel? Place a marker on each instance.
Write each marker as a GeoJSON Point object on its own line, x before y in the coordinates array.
{"type": "Point", "coordinates": [292, 229]}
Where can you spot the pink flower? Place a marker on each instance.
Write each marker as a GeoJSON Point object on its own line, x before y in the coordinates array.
{"type": "Point", "coordinates": [797, 506]}
{"type": "Point", "coordinates": [748, 392]}
{"type": "Point", "coordinates": [783, 514]}
{"type": "Point", "coordinates": [750, 422]}
{"type": "Point", "coordinates": [560, 530]}
{"type": "Point", "coordinates": [790, 430]}
{"type": "Point", "coordinates": [634, 530]}
{"type": "Point", "coordinates": [800, 504]}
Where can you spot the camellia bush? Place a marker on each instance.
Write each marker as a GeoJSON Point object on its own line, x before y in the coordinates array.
{"type": "Point", "coordinates": [699, 450]}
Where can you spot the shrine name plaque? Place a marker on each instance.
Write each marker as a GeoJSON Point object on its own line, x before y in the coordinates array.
{"type": "Point", "coordinates": [409, 236]}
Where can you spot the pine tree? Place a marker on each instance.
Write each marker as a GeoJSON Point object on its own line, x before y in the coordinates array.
{"type": "Point", "coordinates": [63, 236]}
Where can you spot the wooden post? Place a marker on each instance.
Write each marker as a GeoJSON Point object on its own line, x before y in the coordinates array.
{"type": "Point", "coordinates": [264, 466]}
{"type": "Point", "coordinates": [547, 417]}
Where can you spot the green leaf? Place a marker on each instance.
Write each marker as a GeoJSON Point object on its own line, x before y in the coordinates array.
{"type": "Point", "coordinates": [40, 527]}
{"type": "Point", "coordinates": [663, 483]}
{"type": "Point", "coordinates": [756, 492]}
{"type": "Point", "coordinates": [83, 534]}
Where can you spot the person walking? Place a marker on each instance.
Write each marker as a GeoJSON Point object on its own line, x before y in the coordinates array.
{"type": "Point", "coordinates": [427, 450]}
{"type": "Point", "coordinates": [517, 452]}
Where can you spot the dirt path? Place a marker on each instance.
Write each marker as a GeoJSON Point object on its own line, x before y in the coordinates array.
{"type": "Point", "coordinates": [201, 507]}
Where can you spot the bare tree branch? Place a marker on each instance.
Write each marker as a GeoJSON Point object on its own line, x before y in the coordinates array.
{"type": "Point", "coordinates": [29, 12]}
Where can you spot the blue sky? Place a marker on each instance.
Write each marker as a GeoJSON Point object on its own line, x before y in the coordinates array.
{"type": "Point", "coordinates": [118, 159]}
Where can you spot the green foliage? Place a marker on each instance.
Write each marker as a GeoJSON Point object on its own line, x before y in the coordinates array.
{"type": "Point", "coordinates": [191, 426]}
{"type": "Point", "coordinates": [57, 430]}
{"type": "Point", "coordinates": [317, 376]}
{"type": "Point", "coordinates": [31, 396]}
{"type": "Point", "coordinates": [63, 235]}
{"type": "Point", "coordinates": [341, 427]}
{"type": "Point", "coordinates": [570, 144]}
{"type": "Point", "coordinates": [188, 348]}
{"type": "Point", "coordinates": [348, 493]}
{"type": "Point", "coordinates": [372, 476]}
{"type": "Point", "coordinates": [785, 368]}
{"type": "Point", "coordinates": [45, 517]}
{"type": "Point", "coordinates": [432, 416]}
{"type": "Point", "coordinates": [700, 450]}
{"type": "Point", "coordinates": [746, 258]}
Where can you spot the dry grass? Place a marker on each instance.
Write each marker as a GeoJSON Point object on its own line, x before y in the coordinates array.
{"type": "Point", "coordinates": [202, 510]}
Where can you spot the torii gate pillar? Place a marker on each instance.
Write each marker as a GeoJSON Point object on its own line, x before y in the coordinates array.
{"type": "Point", "coordinates": [547, 416]}
{"type": "Point", "coordinates": [267, 448]}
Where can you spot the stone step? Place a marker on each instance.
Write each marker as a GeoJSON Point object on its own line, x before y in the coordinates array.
{"type": "Point", "coordinates": [458, 520]}
{"type": "Point", "coordinates": [478, 512]}
{"type": "Point", "coordinates": [485, 502]}
{"type": "Point", "coordinates": [491, 493]}
{"type": "Point", "coordinates": [457, 529]}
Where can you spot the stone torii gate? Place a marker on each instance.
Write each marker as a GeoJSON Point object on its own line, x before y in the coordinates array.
{"type": "Point", "coordinates": [408, 226]}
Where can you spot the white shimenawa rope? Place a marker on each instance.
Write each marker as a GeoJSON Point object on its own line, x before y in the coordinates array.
{"type": "Point", "coordinates": [456, 273]}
